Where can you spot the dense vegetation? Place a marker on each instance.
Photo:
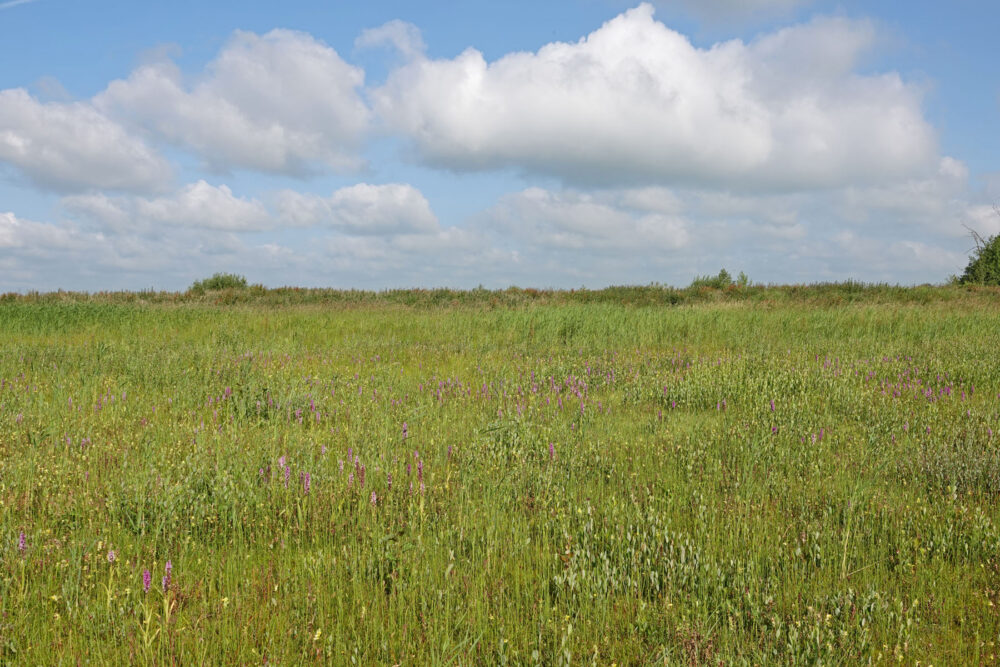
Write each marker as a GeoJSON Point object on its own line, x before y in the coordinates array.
{"type": "Point", "coordinates": [984, 265]}
{"type": "Point", "coordinates": [219, 281]}
{"type": "Point", "coordinates": [749, 475]}
{"type": "Point", "coordinates": [709, 289]}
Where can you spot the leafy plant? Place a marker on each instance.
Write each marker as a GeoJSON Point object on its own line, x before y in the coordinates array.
{"type": "Point", "coordinates": [219, 281]}
{"type": "Point", "coordinates": [984, 264]}
{"type": "Point", "coordinates": [721, 281]}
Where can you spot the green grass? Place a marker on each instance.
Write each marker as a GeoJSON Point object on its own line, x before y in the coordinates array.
{"type": "Point", "coordinates": [676, 518]}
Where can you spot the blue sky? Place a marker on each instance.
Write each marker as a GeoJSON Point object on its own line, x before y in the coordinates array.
{"type": "Point", "coordinates": [561, 144]}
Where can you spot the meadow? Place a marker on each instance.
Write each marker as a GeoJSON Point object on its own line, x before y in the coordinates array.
{"type": "Point", "coordinates": [644, 476]}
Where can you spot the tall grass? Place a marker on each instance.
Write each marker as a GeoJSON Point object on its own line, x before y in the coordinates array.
{"type": "Point", "coordinates": [540, 479]}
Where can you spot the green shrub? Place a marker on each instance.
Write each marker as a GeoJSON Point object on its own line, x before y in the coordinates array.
{"type": "Point", "coordinates": [219, 281]}
{"type": "Point", "coordinates": [984, 265]}
{"type": "Point", "coordinates": [721, 281]}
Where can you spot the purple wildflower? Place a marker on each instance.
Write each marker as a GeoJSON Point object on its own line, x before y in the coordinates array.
{"type": "Point", "coordinates": [147, 579]}
{"type": "Point", "coordinates": [374, 499]}
{"type": "Point", "coordinates": [306, 480]}
{"type": "Point", "coordinates": [288, 473]}
{"type": "Point", "coordinates": [552, 451]}
{"type": "Point", "coordinates": [112, 555]}
{"type": "Point", "coordinates": [420, 470]}
{"type": "Point", "coordinates": [22, 543]}
{"type": "Point", "coordinates": [772, 405]}
{"type": "Point", "coordinates": [388, 481]}
{"type": "Point", "coordinates": [168, 569]}
{"type": "Point", "coordinates": [404, 430]}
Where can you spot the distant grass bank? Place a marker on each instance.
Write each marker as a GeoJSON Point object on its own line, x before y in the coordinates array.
{"type": "Point", "coordinates": [649, 295]}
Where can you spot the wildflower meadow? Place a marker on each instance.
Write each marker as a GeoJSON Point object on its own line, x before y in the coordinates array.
{"type": "Point", "coordinates": [784, 477]}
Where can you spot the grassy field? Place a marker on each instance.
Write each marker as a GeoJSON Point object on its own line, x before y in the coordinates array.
{"type": "Point", "coordinates": [754, 477]}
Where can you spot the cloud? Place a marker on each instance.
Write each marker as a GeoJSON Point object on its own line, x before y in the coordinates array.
{"type": "Point", "coordinates": [282, 102]}
{"type": "Point", "coordinates": [938, 202]}
{"type": "Point", "coordinates": [360, 236]}
{"type": "Point", "coordinates": [198, 205]}
{"type": "Point", "coordinates": [14, 3]}
{"type": "Point", "coordinates": [572, 220]}
{"type": "Point", "coordinates": [635, 102]}
{"type": "Point", "coordinates": [983, 219]}
{"type": "Point", "coordinates": [909, 232]}
{"type": "Point", "coordinates": [16, 233]}
{"type": "Point", "coordinates": [48, 256]}
{"type": "Point", "coordinates": [73, 146]}
{"type": "Point", "coordinates": [360, 209]}
{"type": "Point", "coordinates": [400, 35]}
{"type": "Point", "coordinates": [735, 10]}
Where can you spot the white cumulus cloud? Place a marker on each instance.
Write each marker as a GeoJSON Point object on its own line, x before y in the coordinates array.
{"type": "Point", "coordinates": [199, 205]}
{"type": "Point", "coordinates": [73, 146]}
{"type": "Point", "coordinates": [281, 102]}
{"type": "Point", "coordinates": [17, 233]}
{"type": "Point", "coordinates": [402, 36]}
{"type": "Point", "coordinates": [360, 209]}
{"type": "Point", "coordinates": [572, 220]}
{"type": "Point", "coordinates": [636, 102]}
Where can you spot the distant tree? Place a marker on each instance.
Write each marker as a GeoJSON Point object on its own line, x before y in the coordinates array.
{"type": "Point", "coordinates": [219, 281]}
{"type": "Point", "coordinates": [721, 281]}
{"type": "Point", "coordinates": [984, 264]}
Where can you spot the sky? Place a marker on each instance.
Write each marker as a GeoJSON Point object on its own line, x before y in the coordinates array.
{"type": "Point", "coordinates": [574, 143]}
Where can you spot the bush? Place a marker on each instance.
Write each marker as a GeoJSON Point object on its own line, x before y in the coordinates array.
{"type": "Point", "coordinates": [984, 265]}
{"type": "Point", "coordinates": [721, 281]}
{"type": "Point", "coordinates": [219, 281]}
